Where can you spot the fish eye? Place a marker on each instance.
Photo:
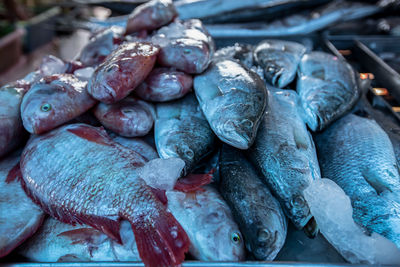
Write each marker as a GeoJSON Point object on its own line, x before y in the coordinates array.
{"type": "Point", "coordinates": [45, 107]}
{"type": "Point", "coordinates": [235, 237]}
{"type": "Point", "coordinates": [186, 51]}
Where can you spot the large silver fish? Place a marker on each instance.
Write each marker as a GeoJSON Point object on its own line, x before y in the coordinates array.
{"type": "Point", "coordinates": [327, 88]}
{"type": "Point", "coordinates": [357, 155]}
{"type": "Point", "coordinates": [279, 60]}
{"type": "Point", "coordinates": [258, 213]}
{"type": "Point", "coordinates": [233, 99]}
{"type": "Point", "coordinates": [182, 131]}
{"type": "Point", "coordinates": [285, 154]}
{"type": "Point", "coordinates": [207, 220]}
{"type": "Point", "coordinates": [61, 242]}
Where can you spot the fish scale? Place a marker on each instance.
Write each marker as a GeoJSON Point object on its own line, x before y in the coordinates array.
{"type": "Point", "coordinates": [101, 194]}
{"type": "Point", "coordinates": [357, 154]}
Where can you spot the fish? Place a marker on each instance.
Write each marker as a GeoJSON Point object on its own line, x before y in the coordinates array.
{"type": "Point", "coordinates": [259, 215]}
{"type": "Point", "coordinates": [100, 45]}
{"type": "Point", "coordinates": [51, 65]}
{"type": "Point", "coordinates": [279, 60]}
{"type": "Point", "coordinates": [285, 154]}
{"type": "Point", "coordinates": [129, 117]}
{"type": "Point", "coordinates": [233, 100]}
{"type": "Point", "coordinates": [208, 221]}
{"type": "Point", "coordinates": [53, 101]}
{"type": "Point", "coordinates": [186, 46]}
{"type": "Point", "coordinates": [56, 241]}
{"type": "Point", "coordinates": [19, 217]}
{"type": "Point", "coordinates": [241, 52]}
{"type": "Point", "coordinates": [138, 145]}
{"type": "Point", "coordinates": [151, 16]}
{"type": "Point", "coordinates": [100, 186]}
{"type": "Point", "coordinates": [182, 131]}
{"type": "Point", "coordinates": [327, 88]}
{"type": "Point", "coordinates": [300, 23]}
{"type": "Point", "coordinates": [11, 127]}
{"type": "Point", "coordinates": [357, 154]}
{"type": "Point", "coordinates": [122, 71]}
{"type": "Point", "coordinates": [165, 84]}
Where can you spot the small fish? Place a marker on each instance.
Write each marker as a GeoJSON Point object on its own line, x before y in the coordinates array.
{"type": "Point", "coordinates": [327, 88]}
{"type": "Point", "coordinates": [186, 46]}
{"type": "Point", "coordinates": [129, 117]}
{"type": "Point", "coordinates": [51, 65]}
{"type": "Point", "coordinates": [233, 99]}
{"type": "Point", "coordinates": [101, 185]}
{"type": "Point", "coordinates": [151, 16]}
{"type": "Point", "coordinates": [207, 220]}
{"type": "Point", "coordinates": [11, 128]}
{"type": "Point", "coordinates": [100, 46]}
{"type": "Point", "coordinates": [284, 152]}
{"type": "Point", "coordinates": [19, 216]}
{"type": "Point", "coordinates": [241, 52]}
{"type": "Point", "coordinates": [58, 242]}
{"type": "Point", "coordinates": [138, 145]}
{"type": "Point", "coordinates": [279, 59]}
{"type": "Point", "coordinates": [164, 84]}
{"type": "Point", "coordinates": [53, 101]}
{"type": "Point", "coordinates": [123, 70]}
{"type": "Point", "coordinates": [182, 131]}
{"type": "Point", "coordinates": [257, 212]}
{"type": "Point", "coordinates": [357, 154]}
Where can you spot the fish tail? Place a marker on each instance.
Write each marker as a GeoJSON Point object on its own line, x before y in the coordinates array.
{"type": "Point", "coordinates": [193, 182]}
{"type": "Point", "coordinates": [161, 241]}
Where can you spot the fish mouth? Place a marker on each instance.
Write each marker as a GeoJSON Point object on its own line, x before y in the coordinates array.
{"type": "Point", "coordinates": [240, 141]}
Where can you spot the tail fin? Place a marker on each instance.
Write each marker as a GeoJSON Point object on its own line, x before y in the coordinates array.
{"type": "Point", "coordinates": [193, 182]}
{"type": "Point", "coordinates": [160, 241]}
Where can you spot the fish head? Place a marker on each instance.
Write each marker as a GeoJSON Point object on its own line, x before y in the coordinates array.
{"type": "Point", "coordinates": [224, 241]}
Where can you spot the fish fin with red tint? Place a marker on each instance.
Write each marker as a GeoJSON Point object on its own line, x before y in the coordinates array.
{"type": "Point", "coordinates": [162, 241]}
{"type": "Point", "coordinates": [193, 182]}
{"type": "Point", "coordinates": [160, 194]}
{"type": "Point", "coordinates": [92, 134]}
{"type": "Point", "coordinates": [14, 174]}
{"type": "Point", "coordinates": [84, 236]}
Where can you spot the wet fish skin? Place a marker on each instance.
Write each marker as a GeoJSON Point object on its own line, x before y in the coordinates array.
{"type": "Point", "coordinates": [123, 70]}
{"type": "Point", "coordinates": [208, 221]}
{"type": "Point", "coordinates": [279, 59]}
{"type": "Point", "coordinates": [51, 65]}
{"type": "Point", "coordinates": [327, 88]}
{"type": "Point", "coordinates": [285, 154]}
{"type": "Point", "coordinates": [233, 99]}
{"type": "Point", "coordinates": [19, 216]}
{"type": "Point", "coordinates": [164, 84]}
{"type": "Point", "coordinates": [100, 46]}
{"type": "Point", "coordinates": [100, 191]}
{"type": "Point", "coordinates": [53, 101]}
{"type": "Point", "coordinates": [56, 241]}
{"type": "Point", "coordinates": [138, 145]}
{"type": "Point", "coordinates": [150, 16]}
{"type": "Point", "coordinates": [357, 154]}
{"type": "Point", "coordinates": [258, 213]}
{"type": "Point", "coordinates": [174, 134]}
{"type": "Point", "coordinates": [186, 46]}
{"type": "Point", "coordinates": [11, 128]}
{"type": "Point", "coordinates": [241, 52]}
{"type": "Point", "coordinates": [129, 117]}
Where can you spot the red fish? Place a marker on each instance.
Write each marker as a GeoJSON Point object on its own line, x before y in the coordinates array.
{"type": "Point", "coordinates": [77, 174]}
{"type": "Point", "coordinates": [19, 216]}
{"type": "Point", "coordinates": [164, 84]}
{"type": "Point", "coordinates": [150, 16]}
{"type": "Point", "coordinates": [186, 46]}
{"type": "Point", "coordinates": [124, 69]}
{"type": "Point", "coordinates": [53, 101]}
{"type": "Point", "coordinates": [129, 117]}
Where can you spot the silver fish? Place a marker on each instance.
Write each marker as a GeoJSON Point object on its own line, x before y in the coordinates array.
{"type": "Point", "coordinates": [233, 99]}
{"type": "Point", "coordinates": [258, 213]}
{"type": "Point", "coordinates": [182, 131]}
{"type": "Point", "coordinates": [327, 88]}
{"type": "Point", "coordinates": [357, 155]}
{"type": "Point", "coordinates": [60, 242]}
{"type": "Point", "coordinates": [279, 59]}
{"type": "Point", "coordinates": [285, 154]}
{"type": "Point", "coordinates": [207, 220]}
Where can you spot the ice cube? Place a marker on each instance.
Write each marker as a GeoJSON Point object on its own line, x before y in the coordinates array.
{"type": "Point", "coordinates": [332, 210]}
{"type": "Point", "coordinates": [84, 74]}
{"type": "Point", "coordinates": [162, 173]}
{"type": "Point", "coordinates": [52, 65]}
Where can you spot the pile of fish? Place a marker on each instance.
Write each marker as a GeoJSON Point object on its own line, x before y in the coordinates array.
{"type": "Point", "coordinates": [154, 147]}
